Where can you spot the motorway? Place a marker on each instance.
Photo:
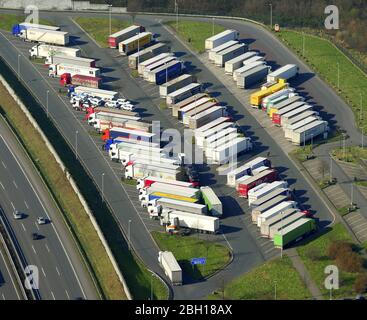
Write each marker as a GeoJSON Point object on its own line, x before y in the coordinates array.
{"type": "Point", "coordinates": [62, 274]}
{"type": "Point", "coordinates": [237, 231]}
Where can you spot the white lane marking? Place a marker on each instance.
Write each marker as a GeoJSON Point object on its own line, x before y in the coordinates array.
{"type": "Point", "coordinates": [43, 271]}
{"type": "Point", "coordinates": [2, 186]}
{"type": "Point", "coordinates": [23, 227]}
{"type": "Point", "coordinates": [12, 204]}
{"type": "Point", "coordinates": [36, 224]}
{"type": "Point", "coordinates": [26, 204]}
{"type": "Point", "coordinates": [53, 296]}
{"type": "Point", "coordinates": [15, 184]}
{"type": "Point", "coordinates": [58, 272]}
{"type": "Point", "coordinates": [36, 193]}
{"type": "Point", "coordinates": [34, 250]}
{"type": "Point", "coordinates": [47, 248]}
{"type": "Point", "coordinates": [3, 296]}
{"type": "Point", "coordinates": [227, 241]}
{"type": "Point", "coordinates": [3, 164]}
{"type": "Point", "coordinates": [67, 294]}
{"type": "Point", "coordinates": [11, 278]}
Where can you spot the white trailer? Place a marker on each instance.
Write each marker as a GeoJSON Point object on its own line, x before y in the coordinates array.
{"type": "Point", "coordinates": [195, 98]}
{"type": "Point", "coordinates": [225, 55]}
{"type": "Point", "coordinates": [147, 181]}
{"type": "Point", "coordinates": [298, 125]}
{"type": "Point", "coordinates": [230, 150]}
{"type": "Point", "coordinates": [237, 62]}
{"type": "Point", "coordinates": [269, 196]}
{"type": "Point", "coordinates": [170, 266]}
{"type": "Point", "coordinates": [286, 72]}
{"type": "Point", "coordinates": [116, 150]}
{"type": "Point", "coordinates": [39, 26]}
{"type": "Point", "coordinates": [169, 188]}
{"type": "Point", "coordinates": [56, 70]}
{"type": "Point", "coordinates": [141, 170]}
{"type": "Point", "coordinates": [267, 206]}
{"type": "Point", "coordinates": [183, 93]}
{"type": "Point", "coordinates": [282, 223]}
{"type": "Point", "coordinates": [75, 61]}
{"type": "Point", "coordinates": [146, 63]}
{"type": "Point", "coordinates": [276, 107]}
{"type": "Point", "coordinates": [245, 169]}
{"type": "Point", "coordinates": [210, 125]}
{"type": "Point", "coordinates": [246, 68]}
{"type": "Point", "coordinates": [210, 142]}
{"type": "Point", "coordinates": [213, 52]}
{"type": "Point", "coordinates": [198, 222]}
{"type": "Point", "coordinates": [266, 190]}
{"type": "Point", "coordinates": [274, 211]}
{"type": "Point", "coordinates": [46, 50]}
{"type": "Point", "coordinates": [251, 77]}
{"type": "Point", "coordinates": [146, 53]}
{"type": "Point", "coordinates": [156, 65]}
{"type": "Point", "coordinates": [175, 84]}
{"type": "Point", "coordinates": [59, 38]}
{"type": "Point", "coordinates": [206, 116]}
{"type": "Point", "coordinates": [280, 218]}
{"type": "Point", "coordinates": [210, 149]}
{"type": "Point", "coordinates": [294, 113]}
{"type": "Point", "coordinates": [157, 206]}
{"type": "Point", "coordinates": [194, 107]}
{"type": "Point", "coordinates": [281, 93]}
{"type": "Point", "coordinates": [221, 38]}
{"type": "Point", "coordinates": [253, 59]}
{"type": "Point", "coordinates": [277, 116]}
{"type": "Point", "coordinates": [201, 137]}
{"type": "Point", "coordinates": [104, 94]}
{"type": "Point", "coordinates": [310, 131]}
{"type": "Point", "coordinates": [212, 201]}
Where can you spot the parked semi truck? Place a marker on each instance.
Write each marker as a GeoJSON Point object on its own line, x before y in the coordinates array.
{"type": "Point", "coordinates": [225, 55]}
{"type": "Point", "coordinates": [278, 209]}
{"type": "Point", "coordinates": [170, 266]}
{"type": "Point", "coordinates": [212, 201]}
{"type": "Point", "coordinates": [135, 43]}
{"type": "Point", "coordinates": [80, 80]}
{"type": "Point", "coordinates": [183, 93]}
{"type": "Point", "coordinates": [148, 181]}
{"type": "Point", "coordinates": [235, 63]}
{"type": "Point", "coordinates": [158, 206]}
{"type": "Point", "coordinates": [59, 38]}
{"type": "Point", "coordinates": [230, 150]}
{"type": "Point", "coordinates": [213, 52]}
{"type": "Point", "coordinates": [146, 53]}
{"type": "Point", "coordinates": [221, 38]}
{"type": "Point", "coordinates": [211, 128]}
{"type": "Point", "coordinates": [175, 84]}
{"type": "Point", "coordinates": [145, 64]}
{"type": "Point", "coordinates": [202, 118]}
{"type": "Point", "coordinates": [267, 206]}
{"type": "Point", "coordinates": [277, 116]}
{"type": "Point", "coordinates": [187, 192]}
{"type": "Point", "coordinates": [282, 119]}
{"type": "Point", "coordinates": [165, 73]}
{"type": "Point", "coordinates": [247, 67]}
{"type": "Point", "coordinates": [294, 232]}
{"type": "Point", "coordinates": [275, 107]}
{"type": "Point", "coordinates": [288, 122]}
{"type": "Point", "coordinates": [46, 50]}
{"type": "Point", "coordinates": [77, 61]}
{"type": "Point", "coordinates": [252, 77]}
{"type": "Point", "coordinates": [157, 64]}
{"type": "Point", "coordinates": [185, 113]}
{"type": "Point", "coordinates": [104, 94]}
{"type": "Point", "coordinates": [139, 170]}
{"type": "Point", "coordinates": [243, 186]}
{"type": "Point", "coordinates": [286, 72]}
{"type": "Point", "coordinates": [258, 96]}
{"type": "Point", "coordinates": [279, 220]}
{"type": "Point", "coordinates": [56, 70]}
{"type": "Point", "coordinates": [197, 222]}
{"type": "Point", "coordinates": [254, 197]}
{"type": "Point", "coordinates": [194, 98]}
{"type": "Point", "coordinates": [124, 34]}
{"type": "Point", "coordinates": [17, 28]}
{"type": "Point", "coordinates": [310, 131]}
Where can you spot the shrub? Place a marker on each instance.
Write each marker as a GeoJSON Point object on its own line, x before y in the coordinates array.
{"type": "Point", "coordinates": [360, 284]}
{"type": "Point", "coordinates": [349, 262]}
{"type": "Point", "coordinates": [338, 248]}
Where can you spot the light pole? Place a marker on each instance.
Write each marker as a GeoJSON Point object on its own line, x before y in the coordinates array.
{"type": "Point", "coordinates": [311, 141]}
{"type": "Point", "coordinates": [362, 137]}
{"type": "Point", "coordinates": [129, 228]}
{"type": "Point", "coordinates": [361, 113]}
{"type": "Point", "coordinates": [338, 75]}
{"type": "Point", "coordinates": [275, 290]}
{"type": "Point", "coordinates": [281, 234]}
{"type": "Point", "coordinates": [165, 64]}
{"type": "Point", "coordinates": [110, 9]}
{"type": "Point", "coordinates": [331, 169]}
{"type": "Point", "coordinates": [138, 33]}
{"type": "Point", "coordinates": [102, 187]}
{"type": "Point", "coordinates": [213, 26]}
{"type": "Point", "coordinates": [76, 144]}
{"type": "Point", "coordinates": [271, 16]}
{"type": "Point", "coordinates": [47, 92]}
{"type": "Point", "coordinates": [18, 67]}
{"type": "Point", "coordinates": [176, 8]}
{"type": "Point", "coordinates": [303, 44]}
{"type": "Point", "coordinates": [344, 146]}
{"type": "Point", "coordinates": [351, 195]}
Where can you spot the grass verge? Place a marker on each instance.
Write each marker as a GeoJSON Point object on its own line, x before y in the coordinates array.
{"type": "Point", "coordinates": [352, 154]}
{"type": "Point", "coordinates": [7, 20]}
{"type": "Point", "coordinates": [323, 57]}
{"type": "Point", "coordinates": [99, 28]}
{"type": "Point", "coordinates": [138, 278]}
{"type": "Point", "coordinates": [274, 279]}
{"type": "Point", "coordinates": [195, 32]}
{"type": "Point", "coordinates": [65, 196]}
{"type": "Point", "coordinates": [196, 246]}
{"type": "Point", "coordinates": [314, 256]}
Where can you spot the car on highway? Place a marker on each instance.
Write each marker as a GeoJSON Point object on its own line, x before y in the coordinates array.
{"type": "Point", "coordinates": [42, 220]}
{"type": "Point", "coordinates": [17, 215]}
{"type": "Point", "coordinates": [36, 236]}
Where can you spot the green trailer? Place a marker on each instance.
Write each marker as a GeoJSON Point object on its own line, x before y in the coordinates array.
{"type": "Point", "coordinates": [212, 201]}
{"type": "Point", "coordinates": [294, 231]}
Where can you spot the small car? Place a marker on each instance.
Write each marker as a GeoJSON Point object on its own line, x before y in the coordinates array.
{"type": "Point", "coordinates": [128, 107]}
{"type": "Point", "coordinates": [42, 220]}
{"type": "Point", "coordinates": [17, 215]}
{"type": "Point", "coordinates": [35, 236]}
{"type": "Point", "coordinates": [112, 104]}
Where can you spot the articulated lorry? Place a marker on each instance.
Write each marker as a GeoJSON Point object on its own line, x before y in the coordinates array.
{"type": "Point", "coordinates": [165, 73]}
{"type": "Point", "coordinates": [59, 38]}
{"type": "Point", "coordinates": [170, 266]}
{"type": "Point", "coordinates": [279, 208]}
{"type": "Point", "coordinates": [158, 206]}
{"type": "Point", "coordinates": [56, 70]}
{"type": "Point", "coordinates": [225, 55]}
{"type": "Point", "coordinates": [124, 34]}
{"type": "Point", "coordinates": [280, 221]}
{"type": "Point", "coordinates": [286, 72]}
{"type": "Point", "coordinates": [148, 181]}
{"type": "Point", "coordinates": [244, 185]}
{"type": "Point", "coordinates": [75, 61]}
{"type": "Point", "coordinates": [175, 84]}
{"type": "Point", "coordinates": [149, 52]}
{"type": "Point", "coordinates": [221, 38]}
{"type": "Point", "coordinates": [183, 93]}
{"type": "Point", "coordinates": [254, 197]}
{"type": "Point", "coordinates": [46, 51]}
{"type": "Point", "coordinates": [258, 96]}
{"type": "Point", "coordinates": [134, 43]}
{"type": "Point", "coordinates": [235, 63]}
{"type": "Point", "coordinates": [187, 192]}
{"type": "Point", "coordinates": [212, 201]}
{"type": "Point", "coordinates": [137, 170]}
{"type": "Point", "coordinates": [269, 196]}
{"type": "Point", "coordinates": [104, 94]}
{"type": "Point", "coordinates": [17, 28]}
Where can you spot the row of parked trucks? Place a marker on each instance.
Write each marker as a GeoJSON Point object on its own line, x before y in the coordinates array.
{"type": "Point", "coordinates": [272, 209]}
{"type": "Point", "coordinates": [63, 62]}
{"type": "Point", "coordinates": [287, 109]}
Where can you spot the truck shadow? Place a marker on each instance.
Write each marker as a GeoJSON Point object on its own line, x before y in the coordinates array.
{"type": "Point", "coordinates": [75, 41]}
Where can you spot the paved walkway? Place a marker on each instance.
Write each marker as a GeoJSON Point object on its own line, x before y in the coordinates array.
{"type": "Point", "coordinates": [300, 267]}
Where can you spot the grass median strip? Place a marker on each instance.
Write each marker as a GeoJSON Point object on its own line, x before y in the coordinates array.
{"type": "Point", "coordinates": [195, 32]}
{"type": "Point", "coordinates": [324, 58]}
{"type": "Point", "coordinates": [99, 28]}
{"type": "Point", "coordinates": [184, 248]}
{"type": "Point", "coordinates": [275, 279]}
{"type": "Point", "coordinates": [7, 20]}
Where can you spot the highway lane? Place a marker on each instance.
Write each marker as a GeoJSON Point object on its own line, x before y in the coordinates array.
{"type": "Point", "coordinates": [8, 289]}
{"type": "Point", "coordinates": [61, 272]}
{"type": "Point", "coordinates": [131, 89]}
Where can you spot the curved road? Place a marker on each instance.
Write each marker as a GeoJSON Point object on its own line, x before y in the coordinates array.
{"type": "Point", "coordinates": [116, 194]}
{"type": "Point", "coordinates": [62, 274]}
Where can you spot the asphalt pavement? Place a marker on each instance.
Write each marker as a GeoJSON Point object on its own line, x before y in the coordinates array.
{"type": "Point", "coordinates": [62, 274]}
{"type": "Point", "coordinates": [240, 238]}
